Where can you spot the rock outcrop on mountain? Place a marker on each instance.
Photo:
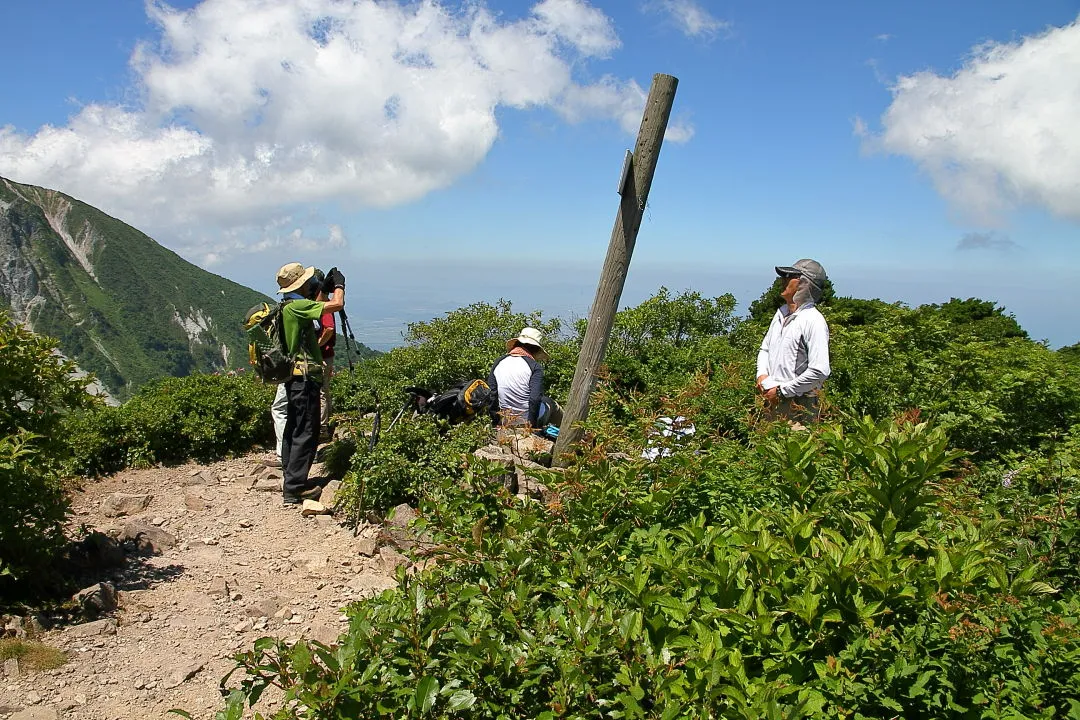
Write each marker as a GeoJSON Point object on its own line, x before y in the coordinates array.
{"type": "Point", "coordinates": [122, 306]}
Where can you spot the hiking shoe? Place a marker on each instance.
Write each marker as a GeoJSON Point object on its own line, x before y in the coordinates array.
{"type": "Point", "coordinates": [312, 493]}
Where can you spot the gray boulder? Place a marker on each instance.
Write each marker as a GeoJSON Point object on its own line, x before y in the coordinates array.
{"type": "Point", "coordinates": [330, 493]}
{"type": "Point", "coordinates": [198, 477]}
{"type": "Point", "coordinates": [401, 516]}
{"type": "Point", "coordinates": [119, 504]}
{"type": "Point", "coordinates": [96, 599]}
{"type": "Point", "coordinates": [106, 626]}
{"type": "Point", "coordinates": [148, 539]}
{"type": "Point", "coordinates": [37, 712]}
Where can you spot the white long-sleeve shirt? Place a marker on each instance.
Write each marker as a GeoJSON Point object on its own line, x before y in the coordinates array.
{"type": "Point", "coordinates": [795, 352]}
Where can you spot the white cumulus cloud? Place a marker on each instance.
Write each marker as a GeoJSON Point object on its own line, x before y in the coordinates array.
{"type": "Point", "coordinates": [586, 27]}
{"type": "Point", "coordinates": [337, 237]}
{"type": "Point", "coordinates": [247, 110]}
{"type": "Point", "coordinates": [1000, 132]}
{"type": "Point", "coordinates": [690, 17]}
{"type": "Point", "coordinates": [623, 101]}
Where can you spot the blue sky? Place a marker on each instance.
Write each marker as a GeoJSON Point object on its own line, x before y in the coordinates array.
{"type": "Point", "coordinates": [443, 154]}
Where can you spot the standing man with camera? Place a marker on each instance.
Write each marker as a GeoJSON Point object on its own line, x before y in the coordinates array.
{"type": "Point", "coordinates": [299, 286]}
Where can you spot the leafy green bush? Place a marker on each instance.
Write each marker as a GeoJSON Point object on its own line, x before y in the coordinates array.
{"type": "Point", "coordinates": [992, 396]}
{"type": "Point", "coordinates": [858, 587]}
{"type": "Point", "coordinates": [39, 388]}
{"type": "Point", "coordinates": [659, 344]}
{"type": "Point", "coordinates": [980, 319]}
{"type": "Point", "coordinates": [32, 515]}
{"type": "Point", "coordinates": [463, 345]}
{"type": "Point", "coordinates": [200, 417]}
{"type": "Point", "coordinates": [1038, 495]}
{"type": "Point", "coordinates": [405, 462]}
{"type": "Point", "coordinates": [203, 417]}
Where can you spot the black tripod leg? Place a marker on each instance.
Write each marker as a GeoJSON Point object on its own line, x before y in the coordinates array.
{"type": "Point", "coordinates": [346, 330]}
{"type": "Point", "coordinates": [375, 429]}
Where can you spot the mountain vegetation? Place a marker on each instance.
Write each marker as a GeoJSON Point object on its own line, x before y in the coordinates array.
{"type": "Point", "coordinates": [915, 555]}
{"type": "Point", "coordinates": [121, 306]}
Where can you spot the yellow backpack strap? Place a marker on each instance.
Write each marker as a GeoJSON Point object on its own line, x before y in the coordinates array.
{"type": "Point", "coordinates": [467, 395]}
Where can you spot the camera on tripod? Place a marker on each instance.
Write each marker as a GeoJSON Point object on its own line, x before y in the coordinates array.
{"type": "Point", "coordinates": [326, 283]}
{"type": "Point", "coordinates": [329, 281]}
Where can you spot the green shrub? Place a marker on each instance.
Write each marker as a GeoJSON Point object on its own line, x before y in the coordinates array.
{"type": "Point", "coordinates": [171, 421]}
{"type": "Point", "coordinates": [39, 389]}
{"type": "Point", "coordinates": [97, 442]}
{"type": "Point", "coordinates": [39, 386]}
{"type": "Point", "coordinates": [462, 345]}
{"type": "Point", "coordinates": [864, 569]}
{"type": "Point", "coordinates": [992, 396]}
{"type": "Point", "coordinates": [1038, 495]}
{"type": "Point", "coordinates": [657, 345]}
{"type": "Point", "coordinates": [418, 452]}
{"type": "Point", "coordinates": [32, 515]}
{"type": "Point", "coordinates": [856, 588]}
{"type": "Point", "coordinates": [202, 417]}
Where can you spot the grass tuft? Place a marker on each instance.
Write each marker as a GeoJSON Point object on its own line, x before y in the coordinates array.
{"type": "Point", "coordinates": [32, 655]}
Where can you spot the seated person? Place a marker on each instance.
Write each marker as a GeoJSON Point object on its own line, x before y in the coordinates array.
{"type": "Point", "coordinates": [517, 379]}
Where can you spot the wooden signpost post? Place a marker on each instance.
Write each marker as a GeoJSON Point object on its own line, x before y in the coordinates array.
{"type": "Point", "coordinates": [636, 181]}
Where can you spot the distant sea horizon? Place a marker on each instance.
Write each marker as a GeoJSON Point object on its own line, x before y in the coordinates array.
{"type": "Point", "coordinates": [385, 295]}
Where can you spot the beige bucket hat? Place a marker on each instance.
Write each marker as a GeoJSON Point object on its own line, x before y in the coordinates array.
{"type": "Point", "coordinates": [292, 276]}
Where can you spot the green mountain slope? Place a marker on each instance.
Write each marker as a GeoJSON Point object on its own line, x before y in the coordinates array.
{"type": "Point", "coordinates": [122, 306]}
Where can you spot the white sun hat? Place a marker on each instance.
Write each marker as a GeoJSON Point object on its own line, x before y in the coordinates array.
{"type": "Point", "coordinates": [529, 336]}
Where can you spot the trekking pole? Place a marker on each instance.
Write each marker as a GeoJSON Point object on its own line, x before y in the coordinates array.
{"type": "Point", "coordinates": [410, 401]}
{"type": "Point", "coordinates": [346, 330]}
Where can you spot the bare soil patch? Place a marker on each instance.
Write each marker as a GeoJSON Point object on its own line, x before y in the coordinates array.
{"type": "Point", "coordinates": [243, 566]}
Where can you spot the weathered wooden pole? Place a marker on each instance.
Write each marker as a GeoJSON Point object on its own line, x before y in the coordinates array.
{"type": "Point", "coordinates": [635, 194]}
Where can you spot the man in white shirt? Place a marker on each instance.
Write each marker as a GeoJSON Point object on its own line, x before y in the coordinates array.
{"type": "Point", "coordinates": [794, 358]}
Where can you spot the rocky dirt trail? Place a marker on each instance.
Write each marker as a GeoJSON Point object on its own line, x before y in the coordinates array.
{"type": "Point", "coordinates": [211, 561]}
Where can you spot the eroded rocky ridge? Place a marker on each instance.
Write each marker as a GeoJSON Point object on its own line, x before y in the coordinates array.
{"type": "Point", "coordinates": [122, 306]}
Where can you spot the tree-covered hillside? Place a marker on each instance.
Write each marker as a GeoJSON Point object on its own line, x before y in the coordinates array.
{"type": "Point", "coordinates": [122, 306]}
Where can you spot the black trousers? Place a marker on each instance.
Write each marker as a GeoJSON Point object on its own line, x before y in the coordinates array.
{"type": "Point", "coordinates": [301, 436]}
